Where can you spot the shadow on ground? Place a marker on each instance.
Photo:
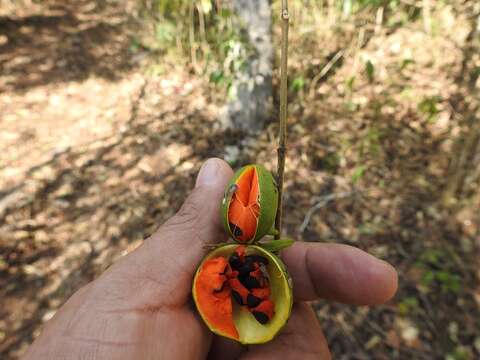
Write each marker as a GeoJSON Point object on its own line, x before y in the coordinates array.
{"type": "Point", "coordinates": [75, 41]}
{"type": "Point", "coordinates": [87, 206]}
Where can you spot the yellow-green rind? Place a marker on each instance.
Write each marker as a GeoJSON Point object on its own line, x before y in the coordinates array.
{"type": "Point", "coordinates": [282, 295]}
{"type": "Point", "coordinates": [268, 199]}
{"type": "Point", "coordinates": [268, 202]}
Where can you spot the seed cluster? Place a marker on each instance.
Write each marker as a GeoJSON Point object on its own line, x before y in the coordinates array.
{"type": "Point", "coordinates": [247, 277]}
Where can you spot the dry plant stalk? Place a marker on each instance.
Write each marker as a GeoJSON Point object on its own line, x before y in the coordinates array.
{"type": "Point", "coordinates": [282, 135]}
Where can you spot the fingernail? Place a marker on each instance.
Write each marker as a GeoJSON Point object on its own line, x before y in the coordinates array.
{"type": "Point", "coordinates": [208, 173]}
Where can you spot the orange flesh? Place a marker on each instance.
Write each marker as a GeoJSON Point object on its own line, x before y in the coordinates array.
{"type": "Point", "coordinates": [214, 285]}
{"type": "Point", "coordinates": [214, 298]}
{"type": "Point", "coordinates": [267, 307]}
{"type": "Point", "coordinates": [244, 208]}
{"type": "Point", "coordinates": [261, 293]}
{"type": "Point", "coordinates": [236, 285]}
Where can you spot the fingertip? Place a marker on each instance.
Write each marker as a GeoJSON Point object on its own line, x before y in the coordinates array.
{"type": "Point", "coordinates": [363, 279]}
{"type": "Point", "coordinates": [391, 280]}
{"type": "Point", "coordinates": [214, 171]}
{"type": "Point", "coordinates": [376, 280]}
{"type": "Point", "coordinates": [341, 273]}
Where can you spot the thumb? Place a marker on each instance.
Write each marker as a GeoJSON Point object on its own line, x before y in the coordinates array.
{"type": "Point", "coordinates": [197, 223]}
{"type": "Point", "coordinates": [137, 296]}
{"type": "Point", "coordinates": [167, 260]}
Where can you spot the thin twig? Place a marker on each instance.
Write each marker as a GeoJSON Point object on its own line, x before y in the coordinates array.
{"type": "Point", "coordinates": [193, 47]}
{"type": "Point", "coordinates": [282, 135]}
{"type": "Point", "coordinates": [325, 70]}
{"type": "Point", "coordinates": [324, 200]}
{"type": "Point", "coordinates": [427, 16]}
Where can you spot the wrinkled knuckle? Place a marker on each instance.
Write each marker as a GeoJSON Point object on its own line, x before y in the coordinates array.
{"type": "Point", "coordinates": [188, 214]}
{"type": "Point", "coordinates": [314, 285]}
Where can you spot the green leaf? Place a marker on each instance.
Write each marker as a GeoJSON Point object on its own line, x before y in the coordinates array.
{"type": "Point", "coordinates": [135, 45]}
{"type": "Point", "coordinates": [450, 282]}
{"type": "Point", "coordinates": [217, 77]}
{"type": "Point", "coordinates": [429, 106]}
{"type": "Point", "coordinates": [432, 256]}
{"type": "Point", "coordinates": [405, 63]}
{"type": "Point", "coordinates": [370, 70]}
{"type": "Point", "coordinates": [206, 6]}
{"type": "Point", "coordinates": [165, 33]}
{"type": "Point", "coordinates": [297, 84]}
{"type": "Point", "coordinates": [347, 8]}
{"type": "Point", "coordinates": [358, 173]}
{"type": "Point", "coordinates": [273, 232]}
{"type": "Point", "coordinates": [427, 278]}
{"type": "Point", "coordinates": [407, 305]}
{"type": "Point", "coordinates": [460, 353]}
{"type": "Point", "coordinates": [277, 245]}
{"type": "Point", "coordinates": [350, 82]}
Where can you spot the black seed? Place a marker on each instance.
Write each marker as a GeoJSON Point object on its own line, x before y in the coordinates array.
{"type": "Point", "coordinates": [246, 268]}
{"type": "Point", "coordinates": [253, 301]}
{"type": "Point", "coordinates": [235, 261]}
{"type": "Point", "coordinates": [237, 297]}
{"type": "Point", "coordinates": [249, 281]}
{"type": "Point", "coordinates": [257, 259]}
{"type": "Point", "coordinates": [235, 230]}
{"type": "Point", "coordinates": [261, 317]}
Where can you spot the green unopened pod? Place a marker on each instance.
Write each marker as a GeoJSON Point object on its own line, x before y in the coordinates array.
{"type": "Point", "coordinates": [243, 292]}
{"type": "Point", "coordinates": [250, 204]}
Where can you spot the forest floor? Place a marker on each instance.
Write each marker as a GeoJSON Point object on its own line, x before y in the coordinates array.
{"type": "Point", "coordinates": [96, 153]}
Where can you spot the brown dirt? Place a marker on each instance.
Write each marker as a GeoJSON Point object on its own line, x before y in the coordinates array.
{"type": "Point", "coordinates": [95, 154]}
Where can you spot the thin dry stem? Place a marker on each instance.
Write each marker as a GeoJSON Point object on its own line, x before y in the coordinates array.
{"type": "Point", "coordinates": [282, 142]}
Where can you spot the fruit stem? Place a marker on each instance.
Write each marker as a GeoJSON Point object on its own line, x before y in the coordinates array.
{"type": "Point", "coordinates": [282, 133]}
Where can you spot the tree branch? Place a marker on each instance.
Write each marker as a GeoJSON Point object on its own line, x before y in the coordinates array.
{"type": "Point", "coordinates": [282, 135]}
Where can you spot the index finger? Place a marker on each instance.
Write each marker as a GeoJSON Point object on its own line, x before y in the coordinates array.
{"type": "Point", "coordinates": [339, 272]}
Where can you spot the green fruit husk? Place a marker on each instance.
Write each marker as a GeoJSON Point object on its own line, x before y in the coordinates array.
{"type": "Point", "coordinates": [268, 202]}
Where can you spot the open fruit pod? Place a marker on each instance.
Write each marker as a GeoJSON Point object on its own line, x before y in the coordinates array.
{"type": "Point", "coordinates": [250, 204]}
{"type": "Point", "coordinates": [243, 293]}
{"type": "Point", "coordinates": [243, 290]}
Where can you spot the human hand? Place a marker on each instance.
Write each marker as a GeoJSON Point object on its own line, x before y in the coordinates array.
{"type": "Point", "coordinates": [141, 307]}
